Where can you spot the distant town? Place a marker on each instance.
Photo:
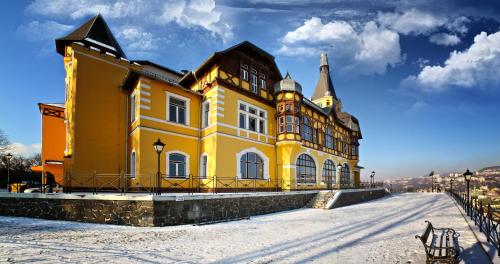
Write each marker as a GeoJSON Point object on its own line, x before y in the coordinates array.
{"type": "Point", "coordinates": [486, 179]}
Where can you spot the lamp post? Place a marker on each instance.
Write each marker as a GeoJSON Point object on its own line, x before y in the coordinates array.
{"type": "Point", "coordinates": [432, 179]}
{"type": "Point", "coordinates": [8, 157]}
{"type": "Point", "coordinates": [158, 145]}
{"type": "Point", "coordinates": [451, 186]}
{"type": "Point", "coordinates": [468, 176]}
{"type": "Point", "coordinates": [372, 182]}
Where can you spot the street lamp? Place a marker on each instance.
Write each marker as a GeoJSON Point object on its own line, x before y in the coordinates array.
{"type": "Point", "coordinates": [432, 176]}
{"type": "Point", "coordinates": [372, 182]}
{"type": "Point", "coordinates": [158, 145]}
{"type": "Point", "coordinates": [451, 186]}
{"type": "Point", "coordinates": [8, 157]}
{"type": "Point", "coordinates": [468, 176]}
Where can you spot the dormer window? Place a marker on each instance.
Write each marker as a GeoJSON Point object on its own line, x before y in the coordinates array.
{"type": "Point", "coordinates": [263, 81]}
{"type": "Point", "coordinates": [253, 78]}
{"type": "Point", "coordinates": [244, 72]}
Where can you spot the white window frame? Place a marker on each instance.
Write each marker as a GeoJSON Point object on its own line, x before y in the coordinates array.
{"type": "Point", "coordinates": [254, 83]}
{"type": "Point", "coordinates": [133, 164]}
{"type": "Point", "coordinates": [205, 121]}
{"type": "Point", "coordinates": [247, 115]}
{"type": "Point", "coordinates": [203, 173]}
{"type": "Point", "coordinates": [133, 107]}
{"type": "Point", "coordinates": [168, 162]}
{"type": "Point", "coordinates": [244, 72]}
{"type": "Point", "coordinates": [179, 97]}
{"type": "Point", "coordinates": [261, 154]}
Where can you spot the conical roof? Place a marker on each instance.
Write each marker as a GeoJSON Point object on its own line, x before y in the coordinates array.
{"type": "Point", "coordinates": [288, 84]}
{"type": "Point", "coordinates": [324, 87]}
{"type": "Point", "coordinates": [95, 32]}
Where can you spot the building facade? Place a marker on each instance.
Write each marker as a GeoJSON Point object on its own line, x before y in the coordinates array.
{"type": "Point", "coordinates": [234, 122]}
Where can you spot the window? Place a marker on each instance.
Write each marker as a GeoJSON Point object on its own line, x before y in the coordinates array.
{"type": "Point", "coordinates": [177, 110]}
{"type": "Point", "coordinates": [263, 81]}
{"type": "Point", "coordinates": [329, 174]}
{"type": "Point", "coordinates": [315, 135]}
{"type": "Point", "coordinates": [288, 124]}
{"type": "Point", "coordinates": [306, 129]}
{"type": "Point", "coordinates": [329, 138]}
{"type": "Point", "coordinates": [176, 165]}
{"type": "Point", "coordinates": [305, 169]}
{"type": "Point", "coordinates": [244, 72]}
{"type": "Point", "coordinates": [132, 164]}
{"type": "Point", "coordinates": [204, 166]}
{"type": "Point", "coordinates": [206, 112]}
{"type": "Point", "coordinates": [133, 107]}
{"type": "Point", "coordinates": [251, 166]}
{"type": "Point", "coordinates": [345, 175]}
{"type": "Point", "coordinates": [253, 78]}
{"type": "Point", "coordinates": [252, 118]}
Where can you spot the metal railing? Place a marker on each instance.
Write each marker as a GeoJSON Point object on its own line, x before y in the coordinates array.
{"type": "Point", "coordinates": [485, 217]}
{"type": "Point", "coordinates": [148, 183]}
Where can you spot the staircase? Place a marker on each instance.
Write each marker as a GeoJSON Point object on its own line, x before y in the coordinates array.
{"type": "Point", "coordinates": [320, 200]}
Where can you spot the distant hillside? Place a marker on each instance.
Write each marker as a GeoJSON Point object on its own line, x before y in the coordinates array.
{"type": "Point", "coordinates": [490, 169]}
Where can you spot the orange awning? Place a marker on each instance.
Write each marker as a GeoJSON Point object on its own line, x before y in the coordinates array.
{"type": "Point", "coordinates": [36, 168]}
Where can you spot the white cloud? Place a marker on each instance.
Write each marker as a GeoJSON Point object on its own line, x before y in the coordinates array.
{"type": "Point", "coordinates": [138, 41]}
{"type": "Point", "coordinates": [417, 107]}
{"type": "Point", "coordinates": [444, 39]}
{"type": "Point", "coordinates": [411, 22]}
{"type": "Point", "coordinates": [21, 149]}
{"type": "Point", "coordinates": [201, 13]}
{"type": "Point", "coordinates": [478, 66]}
{"type": "Point", "coordinates": [366, 50]}
{"type": "Point", "coordinates": [185, 13]}
{"type": "Point", "coordinates": [47, 30]}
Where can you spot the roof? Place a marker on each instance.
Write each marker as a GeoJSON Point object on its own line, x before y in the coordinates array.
{"type": "Point", "coordinates": [324, 87]}
{"type": "Point", "coordinates": [288, 84]}
{"type": "Point", "coordinates": [133, 75]}
{"type": "Point", "coordinates": [217, 55]}
{"type": "Point", "coordinates": [93, 32]}
{"type": "Point", "coordinates": [146, 62]}
{"type": "Point", "coordinates": [57, 105]}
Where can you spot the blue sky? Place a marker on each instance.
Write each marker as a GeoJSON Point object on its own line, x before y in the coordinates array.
{"type": "Point", "coordinates": [421, 76]}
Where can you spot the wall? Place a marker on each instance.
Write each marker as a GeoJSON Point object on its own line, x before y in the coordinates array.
{"type": "Point", "coordinates": [148, 210]}
{"type": "Point", "coordinates": [349, 197]}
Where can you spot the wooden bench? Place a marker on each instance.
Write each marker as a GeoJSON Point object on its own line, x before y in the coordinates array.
{"type": "Point", "coordinates": [441, 244]}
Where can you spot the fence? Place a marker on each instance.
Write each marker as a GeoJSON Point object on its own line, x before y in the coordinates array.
{"type": "Point", "coordinates": [485, 217]}
{"type": "Point", "coordinates": [148, 183]}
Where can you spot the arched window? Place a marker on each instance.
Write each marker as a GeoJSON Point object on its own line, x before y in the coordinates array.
{"type": "Point", "coordinates": [204, 166]}
{"type": "Point", "coordinates": [251, 166]}
{"type": "Point", "coordinates": [305, 169]}
{"type": "Point", "coordinates": [132, 163]}
{"type": "Point", "coordinates": [328, 175]}
{"type": "Point", "coordinates": [345, 175]}
{"type": "Point", "coordinates": [176, 165]}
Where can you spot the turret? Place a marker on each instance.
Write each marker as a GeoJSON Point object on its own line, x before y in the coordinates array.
{"type": "Point", "coordinates": [324, 94]}
{"type": "Point", "coordinates": [288, 94]}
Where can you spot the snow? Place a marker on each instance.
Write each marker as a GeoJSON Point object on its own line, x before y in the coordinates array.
{"type": "Point", "coordinates": [380, 231]}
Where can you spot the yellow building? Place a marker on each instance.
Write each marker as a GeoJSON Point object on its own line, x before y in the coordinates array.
{"type": "Point", "coordinates": [233, 123]}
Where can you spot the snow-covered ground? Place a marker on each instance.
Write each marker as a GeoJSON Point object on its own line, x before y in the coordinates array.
{"type": "Point", "coordinates": [381, 231]}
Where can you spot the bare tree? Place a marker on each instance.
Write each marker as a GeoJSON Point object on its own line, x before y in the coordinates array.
{"type": "Point", "coordinates": [4, 142]}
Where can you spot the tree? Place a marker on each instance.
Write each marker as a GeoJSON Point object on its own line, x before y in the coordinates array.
{"type": "Point", "coordinates": [4, 142]}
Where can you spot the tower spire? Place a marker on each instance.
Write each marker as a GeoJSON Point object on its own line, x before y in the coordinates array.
{"type": "Point", "coordinates": [324, 87]}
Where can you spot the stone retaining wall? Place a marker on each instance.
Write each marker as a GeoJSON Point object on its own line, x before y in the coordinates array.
{"type": "Point", "coordinates": [349, 197]}
{"type": "Point", "coordinates": [149, 210]}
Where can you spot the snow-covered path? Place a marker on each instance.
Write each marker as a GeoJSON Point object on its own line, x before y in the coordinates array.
{"type": "Point", "coordinates": [381, 231]}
